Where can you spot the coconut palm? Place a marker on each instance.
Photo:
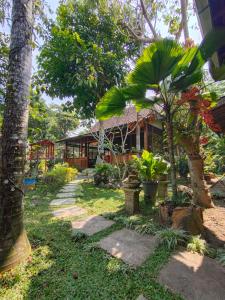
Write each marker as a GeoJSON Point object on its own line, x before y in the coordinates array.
{"type": "Point", "coordinates": [14, 245]}
{"type": "Point", "coordinates": [166, 69]}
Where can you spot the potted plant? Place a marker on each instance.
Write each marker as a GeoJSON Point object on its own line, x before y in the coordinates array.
{"type": "Point", "coordinates": [150, 167]}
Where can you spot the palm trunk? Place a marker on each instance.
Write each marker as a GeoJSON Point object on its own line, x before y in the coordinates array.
{"type": "Point", "coordinates": [14, 245]}
{"type": "Point", "coordinates": [170, 141]}
{"type": "Point", "coordinates": [201, 193]}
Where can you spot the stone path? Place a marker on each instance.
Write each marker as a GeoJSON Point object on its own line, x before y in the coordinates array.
{"type": "Point", "coordinates": [91, 225]}
{"type": "Point", "coordinates": [61, 202]}
{"type": "Point", "coordinates": [130, 246]}
{"type": "Point", "coordinates": [194, 277]}
{"type": "Point", "coordinates": [73, 211]}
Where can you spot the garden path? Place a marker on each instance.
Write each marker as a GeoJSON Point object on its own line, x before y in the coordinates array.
{"type": "Point", "coordinates": [193, 276]}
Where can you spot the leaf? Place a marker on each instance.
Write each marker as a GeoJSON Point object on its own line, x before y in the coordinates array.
{"type": "Point", "coordinates": [112, 103]}
{"type": "Point", "coordinates": [210, 44]}
{"type": "Point", "coordinates": [186, 81]}
{"type": "Point", "coordinates": [157, 62]}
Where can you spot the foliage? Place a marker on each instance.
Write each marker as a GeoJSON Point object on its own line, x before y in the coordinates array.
{"type": "Point", "coordinates": [182, 166]}
{"type": "Point", "coordinates": [171, 238]}
{"type": "Point", "coordinates": [213, 151]}
{"type": "Point", "coordinates": [48, 122]}
{"type": "Point", "coordinates": [150, 166]}
{"type": "Point", "coordinates": [196, 244]}
{"type": "Point", "coordinates": [84, 55]}
{"type": "Point", "coordinates": [181, 199]}
{"type": "Point", "coordinates": [105, 173]}
{"type": "Point", "coordinates": [60, 174]}
{"type": "Point", "coordinates": [78, 236]}
{"type": "Point", "coordinates": [221, 256]}
{"type": "Point", "coordinates": [42, 167]}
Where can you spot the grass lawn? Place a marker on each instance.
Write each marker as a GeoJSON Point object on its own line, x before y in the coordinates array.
{"type": "Point", "coordinates": [61, 268]}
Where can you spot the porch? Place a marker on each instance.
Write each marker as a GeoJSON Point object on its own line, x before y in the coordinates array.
{"type": "Point", "coordinates": [82, 151]}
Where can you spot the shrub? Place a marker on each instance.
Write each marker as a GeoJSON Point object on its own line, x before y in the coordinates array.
{"type": "Point", "coordinates": [221, 256]}
{"type": "Point", "coordinates": [151, 166]}
{"type": "Point", "coordinates": [182, 167]}
{"type": "Point", "coordinates": [60, 174]}
{"type": "Point", "coordinates": [105, 173]}
{"type": "Point", "coordinates": [171, 238]}
{"type": "Point", "coordinates": [196, 244]}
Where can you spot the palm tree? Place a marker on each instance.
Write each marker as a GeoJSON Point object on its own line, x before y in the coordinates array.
{"type": "Point", "coordinates": [14, 245]}
{"type": "Point", "coordinates": [166, 69]}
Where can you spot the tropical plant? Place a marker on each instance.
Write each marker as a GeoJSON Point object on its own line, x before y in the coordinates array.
{"type": "Point", "coordinates": [221, 256]}
{"type": "Point", "coordinates": [182, 166]}
{"type": "Point", "coordinates": [150, 166]}
{"type": "Point", "coordinates": [167, 69]}
{"type": "Point", "coordinates": [60, 174]}
{"type": "Point", "coordinates": [104, 173]}
{"type": "Point", "coordinates": [196, 244]}
{"type": "Point", "coordinates": [171, 238]}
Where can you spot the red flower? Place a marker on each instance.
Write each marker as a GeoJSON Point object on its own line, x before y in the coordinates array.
{"type": "Point", "coordinates": [204, 140]}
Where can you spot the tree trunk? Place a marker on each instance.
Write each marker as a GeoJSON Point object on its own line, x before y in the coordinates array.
{"type": "Point", "coordinates": [169, 127]}
{"type": "Point", "coordinates": [14, 245]}
{"type": "Point", "coordinates": [184, 18]}
{"type": "Point", "coordinates": [201, 193]}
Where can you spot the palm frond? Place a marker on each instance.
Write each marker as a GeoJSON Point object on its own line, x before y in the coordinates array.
{"type": "Point", "coordinates": [157, 62]}
{"type": "Point", "coordinates": [111, 104]}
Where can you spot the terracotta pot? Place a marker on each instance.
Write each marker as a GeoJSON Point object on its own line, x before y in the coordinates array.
{"type": "Point", "coordinates": [150, 191]}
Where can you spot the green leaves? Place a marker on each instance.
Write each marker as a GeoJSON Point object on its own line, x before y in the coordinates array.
{"type": "Point", "coordinates": [151, 166]}
{"type": "Point", "coordinates": [112, 103]}
{"type": "Point", "coordinates": [157, 62]}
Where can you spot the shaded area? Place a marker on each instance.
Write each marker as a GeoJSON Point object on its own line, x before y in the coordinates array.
{"type": "Point", "coordinates": [193, 276]}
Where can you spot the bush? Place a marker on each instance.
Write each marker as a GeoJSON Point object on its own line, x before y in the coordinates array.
{"type": "Point", "coordinates": [60, 174]}
{"type": "Point", "coordinates": [171, 238]}
{"type": "Point", "coordinates": [182, 167]}
{"type": "Point", "coordinates": [196, 244]}
{"type": "Point", "coordinates": [105, 173]}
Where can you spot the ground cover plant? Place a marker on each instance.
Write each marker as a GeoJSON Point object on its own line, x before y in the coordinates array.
{"type": "Point", "coordinates": [61, 268]}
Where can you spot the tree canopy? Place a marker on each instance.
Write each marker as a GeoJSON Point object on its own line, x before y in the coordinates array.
{"type": "Point", "coordinates": [84, 55]}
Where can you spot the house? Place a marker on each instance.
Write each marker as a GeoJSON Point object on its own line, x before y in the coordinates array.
{"type": "Point", "coordinates": [123, 136]}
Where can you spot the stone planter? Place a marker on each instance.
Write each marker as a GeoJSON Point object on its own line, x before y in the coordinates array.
{"type": "Point", "coordinates": [132, 200]}
{"type": "Point", "coordinates": [190, 219]}
{"type": "Point", "coordinates": [163, 189]}
{"type": "Point", "coordinates": [150, 191]}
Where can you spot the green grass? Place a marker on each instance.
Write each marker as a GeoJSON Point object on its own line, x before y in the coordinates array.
{"type": "Point", "coordinates": [61, 268]}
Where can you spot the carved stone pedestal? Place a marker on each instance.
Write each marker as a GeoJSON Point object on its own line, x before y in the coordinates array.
{"type": "Point", "coordinates": [163, 189]}
{"type": "Point", "coordinates": [132, 200]}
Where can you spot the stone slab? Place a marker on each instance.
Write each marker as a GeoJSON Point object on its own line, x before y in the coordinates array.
{"type": "Point", "coordinates": [130, 246]}
{"type": "Point", "coordinates": [141, 297]}
{"type": "Point", "coordinates": [69, 212]}
{"type": "Point", "coordinates": [59, 202]}
{"type": "Point", "coordinates": [193, 276]}
{"type": "Point", "coordinates": [91, 225]}
{"type": "Point", "coordinates": [65, 195]}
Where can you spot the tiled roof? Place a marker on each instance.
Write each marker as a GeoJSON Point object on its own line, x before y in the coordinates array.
{"type": "Point", "coordinates": [130, 115]}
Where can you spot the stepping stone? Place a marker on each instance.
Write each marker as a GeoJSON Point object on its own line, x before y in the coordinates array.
{"type": "Point", "coordinates": [193, 276]}
{"type": "Point", "coordinates": [91, 225]}
{"type": "Point", "coordinates": [59, 202]}
{"type": "Point", "coordinates": [141, 297]}
{"type": "Point", "coordinates": [65, 195]}
{"type": "Point", "coordinates": [69, 212]}
{"type": "Point", "coordinates": [130, 246]}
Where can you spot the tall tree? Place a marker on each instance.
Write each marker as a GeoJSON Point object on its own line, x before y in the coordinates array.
{"type": "Point", "coordinates": [15, 246]}
{"type": "Point", "coordinates": [84, 55]}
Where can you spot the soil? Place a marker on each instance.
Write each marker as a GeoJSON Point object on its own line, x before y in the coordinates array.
{"type": "Point", "coordinates": [214, 222]}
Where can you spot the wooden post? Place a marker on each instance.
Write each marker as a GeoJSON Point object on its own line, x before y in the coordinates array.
{"type": "Point", "coordinates": [146, 146]}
